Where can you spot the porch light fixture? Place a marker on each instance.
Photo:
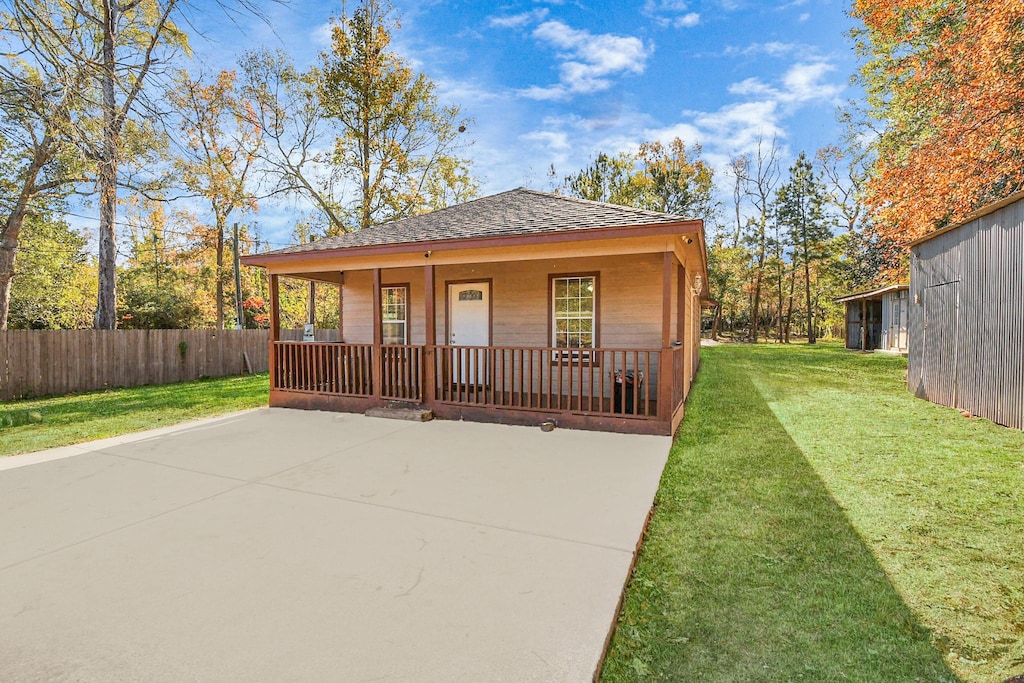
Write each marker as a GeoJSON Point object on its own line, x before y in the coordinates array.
{"type": "Point", "coordinates": [698, 282]}
{"type": "Point", "coordinates": [427, 254]}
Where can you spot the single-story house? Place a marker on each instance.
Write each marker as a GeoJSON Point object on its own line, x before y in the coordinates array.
{"type": "Point", "coordinates": [523, 307]}
{"type": "Point", "coordinates": [878, 319]}
{"type": "Point", "coordinates": [967, 314]}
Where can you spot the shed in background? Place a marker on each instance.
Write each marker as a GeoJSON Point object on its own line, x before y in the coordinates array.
{"type": "Point", "coordinates": [878, 320]}
{"type": "Point", "coordinates": [967, 314]}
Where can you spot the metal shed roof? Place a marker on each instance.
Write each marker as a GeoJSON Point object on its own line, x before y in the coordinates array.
{"type": "Point", "coordinates": [873, 294]}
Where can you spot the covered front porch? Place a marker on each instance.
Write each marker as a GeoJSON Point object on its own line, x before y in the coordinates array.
{"type": "Point", "coordinates": [635, 387]}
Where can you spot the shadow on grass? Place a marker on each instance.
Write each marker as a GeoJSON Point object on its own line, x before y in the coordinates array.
{"type": "Point", "coordinates": [751, 571]}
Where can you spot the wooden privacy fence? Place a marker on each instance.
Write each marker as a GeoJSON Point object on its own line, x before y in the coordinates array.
{"type": "Point", "coordinates": [43, 362]}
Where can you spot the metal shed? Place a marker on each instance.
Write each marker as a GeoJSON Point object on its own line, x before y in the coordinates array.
{"type": "Point", "coordinates": [877, 320]}
{"type": "Point", "coordinates": [967, 314]}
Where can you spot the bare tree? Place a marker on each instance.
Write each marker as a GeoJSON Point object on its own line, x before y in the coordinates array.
{"type": "Point", "coordinates": [760, 175]}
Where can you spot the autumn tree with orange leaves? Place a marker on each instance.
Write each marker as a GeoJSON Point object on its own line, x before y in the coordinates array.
{"type": "Point", "coordinates": [945, 81]}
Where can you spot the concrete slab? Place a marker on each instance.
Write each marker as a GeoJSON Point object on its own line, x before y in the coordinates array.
{"type": "Point", "coordinates": [289, 545]}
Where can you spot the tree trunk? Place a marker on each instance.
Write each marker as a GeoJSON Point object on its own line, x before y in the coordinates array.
{"type": "Point", "coordinates": [807, 286]}
{"type": "Point", "coordinates": [8, 254]}
{"type": "Point", "coordinates": [789, 312]}
{"type": "Point", "coordinates": [716, 321]}
{"type": "Point", "coordinates": [220, 272]}
{"type": "Point", "coordinates": [782, 271]}
{"type": "Point", "coordinates": [106, 296]}
{"type": "Point", "coordinates": [12, 229]}
{"type": "Point", "coordinates": [755, 308]}
{"type": "Point", "coordinates": [811, 339]}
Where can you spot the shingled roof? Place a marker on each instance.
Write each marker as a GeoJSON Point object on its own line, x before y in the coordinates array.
{"type": "Point", "coordinates": [515, 212]}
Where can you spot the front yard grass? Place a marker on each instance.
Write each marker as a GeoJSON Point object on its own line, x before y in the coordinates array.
{"type": "Point", "coordinates": [35, 424]}
{"type": "Point", "coordinates": [816, 522]}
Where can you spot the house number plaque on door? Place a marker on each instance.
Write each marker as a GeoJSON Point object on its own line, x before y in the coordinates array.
{"type": "Point", "coordinates": [471, 295]}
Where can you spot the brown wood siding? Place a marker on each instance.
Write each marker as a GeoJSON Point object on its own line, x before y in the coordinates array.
{"type": "Point", "coordinates": [967, 317]}
{"type": "Point", "coordinates": [629, 299]}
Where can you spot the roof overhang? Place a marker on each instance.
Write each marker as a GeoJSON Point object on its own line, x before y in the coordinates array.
{"type": "Point", "coordinates": [694, 227]}
{"type": "Point", "coordinates": [983, 211]}
{"type": "Point", "coordinates": [873, 294]}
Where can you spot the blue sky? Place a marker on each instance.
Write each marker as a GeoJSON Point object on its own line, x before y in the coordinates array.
{"type": "Point", "coordinates": [554, 82]}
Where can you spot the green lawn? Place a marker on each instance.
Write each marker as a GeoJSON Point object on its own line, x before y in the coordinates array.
{"type": "Point", "coordinates": [815, 522]}
{"type": "Point", "coordinates": [35, 424]}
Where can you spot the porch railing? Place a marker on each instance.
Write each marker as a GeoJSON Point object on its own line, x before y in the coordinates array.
{"type": "Point", "coordinates": [402, 373]}
{"type": "Point", "coordinates": [595, 381]}
{"type": "Point", "coordinates": [323, 368]}
{"type": "Point", "coordinates": [624, 383]}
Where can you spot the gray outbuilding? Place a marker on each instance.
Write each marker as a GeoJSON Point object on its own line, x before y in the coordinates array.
{"type": "Point", "coordinates": [877, 320]}
{"type": "Point", "coordinates": [967, 314]}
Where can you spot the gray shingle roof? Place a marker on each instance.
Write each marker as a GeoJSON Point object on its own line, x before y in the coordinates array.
{"type": "Point", "coordinates": [515, 212]}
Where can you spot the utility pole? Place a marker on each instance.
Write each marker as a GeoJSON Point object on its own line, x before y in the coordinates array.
{"type": "Point", "coordinates": [239, 319]}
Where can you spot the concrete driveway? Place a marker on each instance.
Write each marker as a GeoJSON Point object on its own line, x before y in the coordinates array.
{"type": "Point", "coordinates": [282, 545]}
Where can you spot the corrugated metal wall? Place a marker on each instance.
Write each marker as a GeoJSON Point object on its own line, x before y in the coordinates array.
{"type": "Point", "coordinates": [967, 317]}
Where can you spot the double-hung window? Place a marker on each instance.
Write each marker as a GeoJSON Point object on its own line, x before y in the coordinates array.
{"type": "Point", "coordinates": [394, 314]}
{"type": "Point", "coordinates": [574, 312]}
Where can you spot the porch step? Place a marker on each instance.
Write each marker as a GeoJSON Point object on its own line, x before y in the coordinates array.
{"type": "Point", "coordinates": [410, 413]}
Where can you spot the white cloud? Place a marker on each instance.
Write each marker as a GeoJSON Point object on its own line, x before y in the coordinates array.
{"type": "Point", "coordinates": [688, 20]}
{"type": "Point", "coordinates": [772, 49]}
{"type": "Point", "coordinates": [519, 20]}
{"type": "Point", "coordinates": [321, 35]}
{"type": "Point", "coordinates": [556, 141]}
{"type": "Point", "coordinates": [672, 13]}
{"type": "Point", "coordinates": [588, 60]}
{"type": "Point", "coordinates": [804, 17]}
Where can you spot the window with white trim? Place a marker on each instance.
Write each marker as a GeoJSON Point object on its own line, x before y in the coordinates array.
{"type": "Point", "coordinates": [394, 315]}
{"type": "Point", "coordinates": [574, 311]}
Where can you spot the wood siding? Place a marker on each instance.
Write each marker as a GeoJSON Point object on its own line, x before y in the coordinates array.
{"type": "Point", "coordinates": [630, 299]}
{"type": "Point", "coordinates": [967, 317]}
{"type": "Point", "coordinates": [630, 302]}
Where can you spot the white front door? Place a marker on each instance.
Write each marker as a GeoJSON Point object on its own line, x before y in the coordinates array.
{"type": "Point", "coordinates": [469, 324]}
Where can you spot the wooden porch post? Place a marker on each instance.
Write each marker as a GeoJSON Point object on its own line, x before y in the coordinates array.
{"type": "Point", "coordinates": [430, 325]}
{"type": "Point", "coordinates": [341, 307]}
{"type": "Point", "coordinates": [682, 329]}
{"type": "Point", "coordinates": [378, 331]}
{"type": "Point", "coordinates": [665, 362]}
{"type": "Point", "coordinates": [275, 328]}
{"type": "Point", "coordinates": [680, 303]}
{"type": "Point", "coordinates": [311, 314]}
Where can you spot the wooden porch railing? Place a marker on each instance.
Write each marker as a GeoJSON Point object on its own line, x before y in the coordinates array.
{"type": "Point", "coordinates": [402, 373]}
{"type": "Point", "coordinates": [323, 368]}
{"type": "Point", "coordinates": [626, 383]}
{"type": "Point", "coordinates": [594, 381]}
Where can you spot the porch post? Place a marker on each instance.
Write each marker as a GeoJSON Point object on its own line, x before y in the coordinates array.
{"type": "Point", "coordinates": [665, 361]}
{"type": "Point", "coordinates": [341, 307]}
{"type": "Point", "coordinates": [680, 303]}
{"type": "Point", "coordinates": [378, 355]}
{"type": "Point", "coordinates": [311, 315]}
{"type": "Point", "coordinates": [430, 325]}
{"type": "Point", "coordinates": [682, 327]}
{"type": "Point", "coordinates": [275, 328]}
